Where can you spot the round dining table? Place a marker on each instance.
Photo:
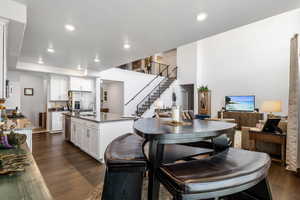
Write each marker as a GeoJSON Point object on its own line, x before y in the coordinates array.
{"type": "Point", "coordinates": [159, 132]}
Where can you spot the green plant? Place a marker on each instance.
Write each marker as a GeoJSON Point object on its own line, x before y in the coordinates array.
{"type": "Point", "coordinates": [203, 88]}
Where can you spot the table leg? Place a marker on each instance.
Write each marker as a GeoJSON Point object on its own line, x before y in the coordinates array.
{"type": "Point", "coordinates": [283, 148]}
{"type": "Point", "coordinates": [155, 158]}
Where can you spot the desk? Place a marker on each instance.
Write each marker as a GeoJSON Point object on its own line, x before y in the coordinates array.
{"type": "Point", "coordinates": [274, 138]}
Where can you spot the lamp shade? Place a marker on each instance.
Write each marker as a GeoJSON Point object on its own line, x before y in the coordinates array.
{"type": "Point", "coordinates": [271, 106]}
{"type": "Point", "coordinates": [159, 104]}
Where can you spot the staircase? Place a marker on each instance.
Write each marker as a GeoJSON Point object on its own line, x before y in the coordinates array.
{"type": "Point", "coordinates": [147, 102]}
{"type": "Point", "coordinates": [169, 74]}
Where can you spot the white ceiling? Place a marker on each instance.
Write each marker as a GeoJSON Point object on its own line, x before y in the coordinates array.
{"type": "Point", "coordinates": [150, 26]}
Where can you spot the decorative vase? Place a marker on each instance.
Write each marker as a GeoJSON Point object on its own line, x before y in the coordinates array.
{"type": "Point", "coordinates": [176, 114]}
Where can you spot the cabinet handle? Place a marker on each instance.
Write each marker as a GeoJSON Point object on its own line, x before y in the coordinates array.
{"type": "Point", "coordinates": [88, 133]}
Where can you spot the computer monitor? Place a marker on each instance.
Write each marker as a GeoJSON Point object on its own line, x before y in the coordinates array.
{"type": "Point", "coordinates": [271, 126]}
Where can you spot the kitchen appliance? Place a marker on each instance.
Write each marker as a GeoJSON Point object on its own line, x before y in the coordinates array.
{"type": "Point", "coordinates": [76, 105]}
{"type": "Point", "coordinates": [67, 128]}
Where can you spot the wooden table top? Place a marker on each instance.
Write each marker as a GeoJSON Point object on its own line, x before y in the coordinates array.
{"type": "Point", "coordinates": [28, 185]}
{"type": "Point", "coordinates": [156, 128]}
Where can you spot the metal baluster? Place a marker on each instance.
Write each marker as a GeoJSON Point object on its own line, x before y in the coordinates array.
{"type": "Point", "coordinates": [168, 71]}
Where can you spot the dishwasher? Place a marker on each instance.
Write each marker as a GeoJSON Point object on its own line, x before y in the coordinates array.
{"type": "Point", "coordinates": [67, 128]}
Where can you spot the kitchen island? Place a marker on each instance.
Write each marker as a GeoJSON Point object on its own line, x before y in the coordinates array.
{"type": "Point", "coordinates": [92, 133]}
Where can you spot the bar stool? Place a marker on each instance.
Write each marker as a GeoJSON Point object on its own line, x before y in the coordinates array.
{"type": "Point", "coordinates": [231, 173]}
{"type": "Point", "coordinates": [125, 168]}
{"type": "Point", "coordinates": [126, 165]}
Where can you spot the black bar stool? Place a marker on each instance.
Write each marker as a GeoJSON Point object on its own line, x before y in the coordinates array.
{"type": "Point", "coordinates": [125, 168]}
{"type": "Point", "coordinates": [126, 165]}
{"type": "Point", "coordinates": [231, 173]}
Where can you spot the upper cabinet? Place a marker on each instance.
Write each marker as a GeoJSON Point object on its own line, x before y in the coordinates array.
{"type": "Point", "coordinates": [2, 60]}
{"type": "Point", "coordinates": [81, 84]}
{"type": "Point", "coordinates": [59, 87]}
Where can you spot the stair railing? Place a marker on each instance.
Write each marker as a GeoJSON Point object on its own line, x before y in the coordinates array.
{"type": "Point", "coordinates": [161, 69]}
{"type": "Point", "coordinates": [160, 88]}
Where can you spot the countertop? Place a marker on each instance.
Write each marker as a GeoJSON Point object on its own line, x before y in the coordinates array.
{"type": "Point", "coordinates": [24, 185]}
{"type": "Point", "coordinates": [22, 123]}
{"type": "Point", "coordinates": [101, 117]}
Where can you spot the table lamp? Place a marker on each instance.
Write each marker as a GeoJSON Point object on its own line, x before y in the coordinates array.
{"type": "Point", "coordinates": [271, 106]}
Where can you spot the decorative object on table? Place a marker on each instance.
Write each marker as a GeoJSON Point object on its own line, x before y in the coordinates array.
{"type": "Point", "coordinates": [271, 106]}
{"type": "Point", "coordinates": [28, 91]}
{"type": "Point", "coordinates": [4, 144]}
{"type": "Point", "coordinates": [204, 100]}
{"type": "Point", "coordinates": [11, 140]}
{"type": "Point", "coordinates": [11, 163]}
{"type": "Point", "coordinates": [176, 110]}
{"type": "Point", "coordinates": [16, 139]}
{"type": "Point", "coordinates": [174, 123]}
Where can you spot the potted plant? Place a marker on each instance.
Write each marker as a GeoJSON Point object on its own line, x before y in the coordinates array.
{"type": "Point", "coordinates": [203, 88]}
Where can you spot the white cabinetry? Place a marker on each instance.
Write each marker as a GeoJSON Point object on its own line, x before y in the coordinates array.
{"type": "Point", "coordinates": [81, 84]}
{"type": "Point", "coordinates": [56, 121]}
{"type": "Point", "coordinates": [2, 60]}
{"type": "Point", "coordinates": [59, 88]}
{"type": "Point", "coordinates": [93, 138]}
{"type": "Point", "coordinates": [85, 135]}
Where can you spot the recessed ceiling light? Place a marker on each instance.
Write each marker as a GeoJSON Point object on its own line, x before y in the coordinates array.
{"type": "Point", "coordinates": [51, 50]}
{"type": "Point", "coordinates": [40, 61]}
{"type": "Point", "coordinates": [96, 60]}
{"type": "Point", "coordinates": [201, 17]}
{"type": "Point", "coordinates": [79, 67]}
{"type": "Point", "coordinates": [69, 27]}
{"type": "Point", "coordinates": [126, 46]}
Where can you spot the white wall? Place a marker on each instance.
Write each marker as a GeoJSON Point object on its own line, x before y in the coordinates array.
{"type": "Point", "coordinates": [133, 83]}
{"type": "Point", "coordinates": [250, 60]}
{"type": "Point", "coordinates": [30, 105]}
{"type": "Point", "coordinates": [187, 63]}
{"type": "Point", "coordinates": [188, 72]}
{"type": "Point", "coordinates": [115, 96]}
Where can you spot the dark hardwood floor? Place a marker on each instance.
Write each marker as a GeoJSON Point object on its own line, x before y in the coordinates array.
{"type": "Point", "coordinates": [72, 174]}
{"type": "Point", "coordinates": [69, 173]}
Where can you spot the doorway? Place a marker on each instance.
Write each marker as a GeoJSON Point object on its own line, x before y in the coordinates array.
{"type": "Point", "coordinates": [187, 95]}
{"type": "Point", "coordinates": [112, 96]}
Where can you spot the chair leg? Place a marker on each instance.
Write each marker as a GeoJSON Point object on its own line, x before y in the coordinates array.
{"type": "Point", "coordinates": [122, 185]}
{"type": "Point", "coordinates": [260, 191]}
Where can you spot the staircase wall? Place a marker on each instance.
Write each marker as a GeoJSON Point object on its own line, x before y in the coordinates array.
{"type": "Point", "coordinates": [133, 83]}
{"type": "Point", "coordinates": [166, 98]}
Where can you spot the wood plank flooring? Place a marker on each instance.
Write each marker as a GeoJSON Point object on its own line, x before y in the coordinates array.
{"type": "Point", "coordinates": [68, 172]}
{"type": "Point", "coordinates": [72, 174]}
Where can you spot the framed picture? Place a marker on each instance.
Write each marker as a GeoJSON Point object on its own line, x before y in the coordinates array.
{"type": "Point", "coordinates": [28, 91]}
{"type": "Point", "coordinates": [105, 98]}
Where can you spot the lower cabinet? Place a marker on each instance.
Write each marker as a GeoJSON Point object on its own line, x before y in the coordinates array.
{"type": "Point", "coordinates": [93, 138]}
{"type": "Point", "coordinates": [86, 137]}
{"type": "Point", "coordinates": [57, 121]}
